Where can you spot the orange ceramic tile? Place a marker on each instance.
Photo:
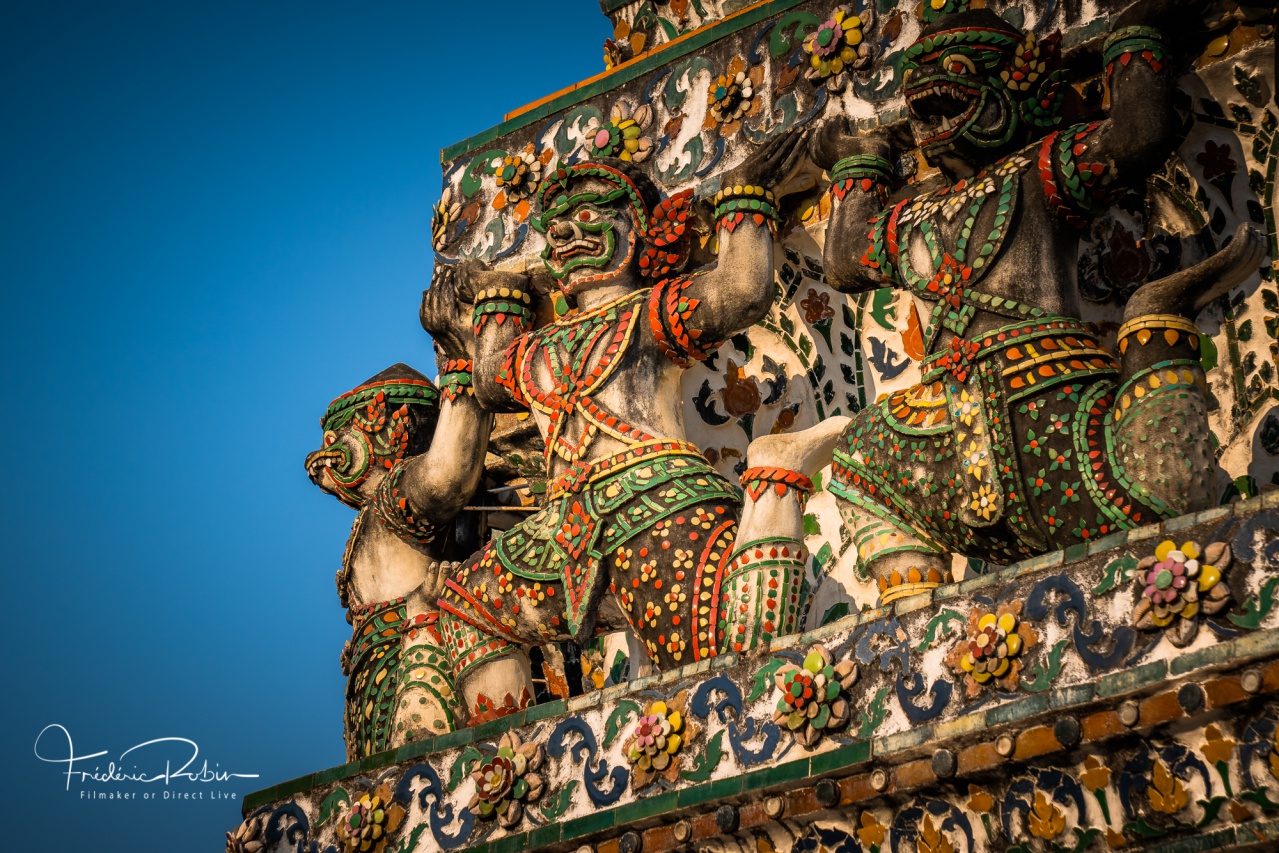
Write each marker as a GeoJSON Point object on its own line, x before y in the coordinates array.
{"type": "Point", "coordinates": [1224, 691]}
{"type": "Point", "coordinates": [1159, 708]}
{"type": "Point", "coordinates": [914, 774]}
{"type": "Point", "coordinates": [1270, 677]}
{"type": "Point", "coordinates": [1102, 725]}
{"type": "Point", "coordinates": [1036, 740]}
{"type": "Point", "coordinates": [978, 757]}
{"type": "Point", "coordinates": [803, 801]}
{"type": "Point", "coordinates": [856, 789]}
{"type": "Point", "coordinates": [660, 838]}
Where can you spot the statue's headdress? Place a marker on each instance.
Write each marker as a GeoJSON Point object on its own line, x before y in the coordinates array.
{"type": "Point", "coordinates": [368, 403]}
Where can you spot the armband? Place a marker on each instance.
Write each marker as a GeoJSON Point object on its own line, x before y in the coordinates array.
{"type": "Point", "coordinates": [867, 172]}
{"type": "Point", "coordinates": [735, 204]}
{"type": "Point", "coordinates": [499, 304]}
{"type": "Point", "coordinates": [1126, 42]}
{"type": "Point", "coordinates": [455, 379]}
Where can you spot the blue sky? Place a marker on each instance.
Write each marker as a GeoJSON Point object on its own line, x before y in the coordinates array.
{"type": "Point", "coordinates": [214, 217]}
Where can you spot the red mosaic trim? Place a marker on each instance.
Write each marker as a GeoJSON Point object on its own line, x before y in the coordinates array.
{"type": "Point", "coordinates": [486, 710]}
{"type": "Point", "coordinates": [507, 372]}
{"type": "Point", "coordinates": [669, 311]}
{"type": "Point", "coordinates": [840, 189]}
{"type": "Point", "coordinates": [708, 589]}
{"type": "Point", "coordinates": [760, 479]}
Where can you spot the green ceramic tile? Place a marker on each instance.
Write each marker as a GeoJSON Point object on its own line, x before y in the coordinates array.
{"type": "Point", "coordinates": [1034, 564]}
{"type": "Point", "coordinates": [333, 774]}
{"type": "Point", "coordinates": [1131, 679]}
{"type": "Point", "coordinates": [784, 642]}
{"type": "Point", "coordinates": [495, 728]}
{"type": "Point", "coordinates": [979, 582]}
{"type": "Point", "coordinates": [1018, 709]}
{"type": "Point", "coordinates": [373, 762]}
{"type": "Point", "coordinates": [546, 709]}
{"type": "Point", "coordinates": [913, 603]}
{"type": "Point", "coordinates": [1250, 506]}
{"type": "Point", "coordinates": [1220, 513]}
{"type": "Point", "coordinates": [544, 835]}
{"type": "Point", "coordinates": [725, 661]}
{"type": "Point", "coordinates": [791, 771]}
{"type": "Point", "coordinates": [1181, 522]}
{"type": "Point", "coordinates": [1071, 697]}
{"type": "Point", "coordinates": [1075, 553]}
{"type": "Point", "coordinates": [942, 593]}
{"type": "Point", "coordinates": [1190, 661]}
{"type": "Point", "coordinates": [515, 843]}
{"type": "Point", "coordinates": [1108, 543]}
{"type": "Point", "coordinates": [839, 759]}
{"type": "Point", "coordinates": [696, 795]}
{"type": "Point", "coordinates": [452, 739]}
{"type": "Point", "coordinates": [585, 825]}
{"type": "Point", "coordinates": [646, 807]}
{"type": "Point", "coordinates": [583, 702]}
{"type": "Point", "coordinates": [1149, 531]}
{"type": "Point", "coordinates": [1257, 643]}
{"type": "Point", "coordinates": [899, 741]}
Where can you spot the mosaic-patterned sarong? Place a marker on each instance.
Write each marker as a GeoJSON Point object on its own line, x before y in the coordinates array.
{"type": "Point", "coordinates": [1017, 452]}
{"type": "Point", "coordinates": [658, 502]}
{"type": "Point", "coordinates": [372, 663]}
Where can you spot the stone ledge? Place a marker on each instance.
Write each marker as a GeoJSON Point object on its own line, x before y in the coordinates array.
{"type": "Point", "coordinates": [1080, 660]}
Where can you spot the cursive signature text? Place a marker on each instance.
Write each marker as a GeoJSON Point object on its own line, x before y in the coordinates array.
{"type": "Point", "coordinates": [149, 752]}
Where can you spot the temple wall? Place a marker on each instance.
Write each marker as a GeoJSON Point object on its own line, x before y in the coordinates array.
{"type": "Point", "coordinates": [822, 353]}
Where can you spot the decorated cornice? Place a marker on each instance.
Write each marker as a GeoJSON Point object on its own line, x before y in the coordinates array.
{"type": "Point", "coordinates": [692, 107]}
{"type": "Point", "coordinates": [904, 712]}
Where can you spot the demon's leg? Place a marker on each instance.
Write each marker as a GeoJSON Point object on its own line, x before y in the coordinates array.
{"type": "Point", "coordinates": [489, 615]}
{"type": "Point", "coordinates": [763, 592]}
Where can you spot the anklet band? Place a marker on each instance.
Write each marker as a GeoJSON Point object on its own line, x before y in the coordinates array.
{"type": "Point", "coordinates": [1157, 321]}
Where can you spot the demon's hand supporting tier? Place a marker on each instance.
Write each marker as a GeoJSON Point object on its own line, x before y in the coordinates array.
{"type": "Point", "coordinates": [738, 292]}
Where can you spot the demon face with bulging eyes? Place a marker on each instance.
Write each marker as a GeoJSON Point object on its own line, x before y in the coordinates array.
{"type": "Point", "coordinates": [976, 89]}
{"type": "Point", "coordinates": [590, 234]}
{"type": "Point", "coordinates": [604, 219]}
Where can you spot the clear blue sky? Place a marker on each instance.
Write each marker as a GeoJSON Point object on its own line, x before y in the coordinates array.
{"type": "Point", "coordinates": [214, 217]}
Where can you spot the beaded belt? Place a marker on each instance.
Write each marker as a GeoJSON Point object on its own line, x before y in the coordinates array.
{"type": "Point", "coordinates": [578, 474]}
{"type": "Point", "coordinates": [1028, 353]}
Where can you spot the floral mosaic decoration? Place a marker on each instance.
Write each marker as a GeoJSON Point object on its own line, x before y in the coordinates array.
{"type": "Point", "coordinates": [506, 782]}
{"type": "Point", "coordinates": [369, 823]}
{"type": "Point", "coordinates": [1177, 584]}
{"type": "Point", "coordinates": [733, 97]}
{"type": "Point", "coordinates": [656, 740]}
{"type": "Point", "coordinates": [838, 45]}
{"type": "Point", "coordinates": [993, 651]}
{"type": "Point", "coordinates": [518, 176]}
{"type": "Point", "coordinates": [623, 135]}
{"type": "Point", "coordinates": [247, 837]}
{"type": "Point", "coordinates": [445, 216]}
{"type": "Point", "coordinates": [814, 696]}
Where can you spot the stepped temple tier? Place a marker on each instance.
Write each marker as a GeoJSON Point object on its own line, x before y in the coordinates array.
{"type": "Point", "coordinates": [853, 428]}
